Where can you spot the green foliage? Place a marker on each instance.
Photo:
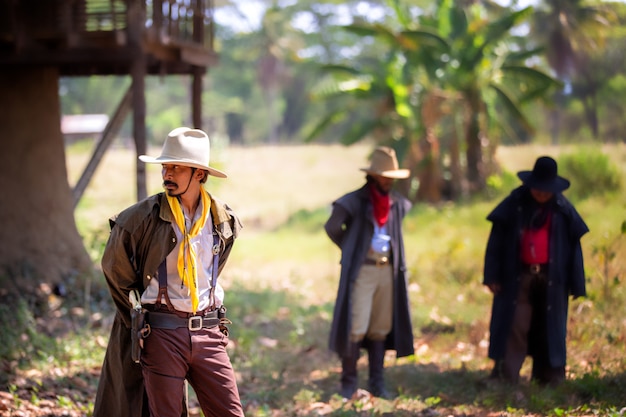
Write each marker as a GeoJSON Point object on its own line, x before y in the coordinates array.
{"type": "Point", "coordinates": [501, 184]}
{"type": "Point", "coordinates": [591, 173]}
{"type": "Point", "coordinates": [606, 253]}
{"type": "Point", "coordinates": [445, 42]}
{"type": "Point", "coordinates": [307, 220]}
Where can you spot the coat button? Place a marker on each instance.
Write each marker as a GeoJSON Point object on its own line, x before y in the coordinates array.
{"type": "Point", "coordinates": [148, 276]}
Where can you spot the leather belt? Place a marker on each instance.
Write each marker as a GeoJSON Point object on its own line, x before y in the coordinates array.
{"type": "Point", "coordinates": [535, 269]}
{"type": "Point", "coordinates": [172, 321]}
{"type": "Point", "coordinates": [377, 262]}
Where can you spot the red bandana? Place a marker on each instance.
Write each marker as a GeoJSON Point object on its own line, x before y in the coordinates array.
{"type": "Point", "coordinates": [381, 204]}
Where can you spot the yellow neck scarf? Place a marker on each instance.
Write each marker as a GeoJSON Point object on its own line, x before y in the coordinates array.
{"type": "Point", "coordinates": [186, 254]}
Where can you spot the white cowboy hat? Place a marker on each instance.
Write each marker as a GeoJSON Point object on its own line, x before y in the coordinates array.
{"type": "Point", "coordinates": [187, 147]}
{"type": "Point", "coordinates": [385, 164]}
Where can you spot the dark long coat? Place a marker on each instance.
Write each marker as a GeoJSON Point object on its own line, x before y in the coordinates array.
{"type": "Point", "coordinates": [351, 227]}
{"type": "Point", "coordinates": [566, 274]}
{"type": "Point", "coordinates": [141, 237]}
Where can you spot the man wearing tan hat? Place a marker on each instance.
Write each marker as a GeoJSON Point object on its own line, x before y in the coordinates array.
{"type": "Point", "coordinates": [372, 306]}
{"type": "Point", "coordinates": [162, 261]}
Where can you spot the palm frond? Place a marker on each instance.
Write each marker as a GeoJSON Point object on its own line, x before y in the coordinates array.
{"type": "Point", "coordinates": [511, 106]}
{"type": "Point", "coordinates": [360, 131]}
{"type": "Point", "coordinates": [329, 120]}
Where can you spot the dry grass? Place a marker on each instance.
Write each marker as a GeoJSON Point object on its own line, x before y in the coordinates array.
{"type": "Point", "coordinates": [281, 281]}
{"type": "Point", "coordinates": [265, 184]}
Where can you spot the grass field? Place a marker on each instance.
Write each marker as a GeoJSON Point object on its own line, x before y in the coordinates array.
{"type": "Point", "coordinates": [282, 277]}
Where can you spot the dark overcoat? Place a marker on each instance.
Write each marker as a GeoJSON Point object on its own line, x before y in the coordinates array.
{"type": "Point", "coordinates": [566, 275]}
{"type": "Point", "coordinates": [351, 227]}
{"type": "Point", "coordinates": [141, 238]}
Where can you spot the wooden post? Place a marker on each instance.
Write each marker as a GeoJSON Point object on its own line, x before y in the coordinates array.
{"type": "Point", "coordinates": [136, 19]}
{"type": "Point", "coordinates": [196, 97]}
{"type": "Point", "coordinates": [197, 72]}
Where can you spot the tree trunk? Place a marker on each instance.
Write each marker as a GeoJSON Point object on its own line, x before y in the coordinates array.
{"type": "Point", "coordinates": [41, 243]}
{"type": "Point", "coordinates": [456, 171]}
{"type": "Point", "coordinates": [430, 173]}
{"type": "Point", "coordinates": [474, 151]}
{"type": "Point", "coordinates": [590, 106]}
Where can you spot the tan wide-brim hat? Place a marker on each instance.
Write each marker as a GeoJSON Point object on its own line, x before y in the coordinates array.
{"type": "Point", "coordinates": [187, 147]}
{"type": "Point", "coordinates": [385, 164]}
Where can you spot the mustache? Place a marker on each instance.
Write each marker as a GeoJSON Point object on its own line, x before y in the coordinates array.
{"type": "Point", "coordinates": [167, 182]}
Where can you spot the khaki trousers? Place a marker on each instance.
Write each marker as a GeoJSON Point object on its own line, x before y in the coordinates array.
{"type": "Point", "coordinates": [372, 303]}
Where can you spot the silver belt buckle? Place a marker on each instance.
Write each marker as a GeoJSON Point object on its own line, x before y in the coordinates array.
{"type": "Point", "coordinates": [535, 268]}
{"type": "Point", "coordinates": [382, 261]}
{"type": "Point", "coordinates": [195, 323]}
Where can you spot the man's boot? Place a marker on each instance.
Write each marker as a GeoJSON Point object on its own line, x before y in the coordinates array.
{"type": "Point", "coordinates": [349, 377]}
{"type": "Point", "coordinates": [376, 356]}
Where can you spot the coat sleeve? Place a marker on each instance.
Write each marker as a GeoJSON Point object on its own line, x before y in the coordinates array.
{"type": "Point", "coordinates": [494, 255]}
{"type": "Point", "coordinates": [577, 284]}
{"type": "Point", "coordinates": [577, 229]}
{"type": "Point", "coordinates": [577, 287]}
{"type": "Point", "coordinates": [118, 269]}
{"type": "Point", "coordinates": [337, 224]}
{"type": "Point", "coordinates": [499, 245]}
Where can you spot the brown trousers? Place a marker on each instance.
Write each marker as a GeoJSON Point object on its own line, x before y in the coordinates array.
{"type": "Point", "coordinates": [529, 319]}
{"type": "Point", "coordinates": [171, 356]}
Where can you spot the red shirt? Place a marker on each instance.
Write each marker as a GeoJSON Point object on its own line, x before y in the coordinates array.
{"type": "Point", "coordinates": [536, 243]}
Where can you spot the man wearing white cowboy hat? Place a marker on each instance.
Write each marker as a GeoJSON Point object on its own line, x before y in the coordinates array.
{"type": "Point", "coordinates": [372, 306]}
{"type": "Point", "coordinates": [533, 263]}
{"type": "Point", "coordinates": [163, 258]}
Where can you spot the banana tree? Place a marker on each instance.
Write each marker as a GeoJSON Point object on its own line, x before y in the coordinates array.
{"type": "Point", "coordinates": [573, 31]}
{"type": "Point", "coordinates": [380, 97]}
{"type": "Point", "coordinates": [455, 63]}
{"type": "Point", "coordinates": [490, 71]}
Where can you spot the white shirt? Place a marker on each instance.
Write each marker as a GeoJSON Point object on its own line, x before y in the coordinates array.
{"type": "Point", "coordinates": [178, 292]}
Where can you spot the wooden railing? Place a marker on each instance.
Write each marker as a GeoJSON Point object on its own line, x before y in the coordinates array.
{"type": "Point", "coordinates": [26, 21]}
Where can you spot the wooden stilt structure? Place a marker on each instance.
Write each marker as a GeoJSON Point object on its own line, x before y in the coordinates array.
{"type": "Point", "coordinates": [113, 37]}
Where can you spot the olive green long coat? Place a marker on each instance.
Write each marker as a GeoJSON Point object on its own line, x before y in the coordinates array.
{"type": "Point", "coordinates": [141, 237]}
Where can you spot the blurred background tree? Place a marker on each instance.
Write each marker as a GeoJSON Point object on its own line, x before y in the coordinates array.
{"type": "Point", "coordinates": [443, 82]}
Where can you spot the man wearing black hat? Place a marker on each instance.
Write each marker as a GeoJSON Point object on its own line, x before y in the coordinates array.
{"type": "Point", "coordinates": [533, 263]}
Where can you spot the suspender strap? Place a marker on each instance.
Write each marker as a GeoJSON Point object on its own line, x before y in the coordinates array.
{"type": "Point", "coordinates": [162, 276]}
{"type": "Point", "coordinates": [214, 270]}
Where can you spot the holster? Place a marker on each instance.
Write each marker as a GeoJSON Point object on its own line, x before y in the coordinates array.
{"type": "Point", "coordinates": [139, 330]}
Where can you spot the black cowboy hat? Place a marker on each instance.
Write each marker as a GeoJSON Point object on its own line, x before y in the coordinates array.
{"type": "Point", "coordinates": [544, 176]}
